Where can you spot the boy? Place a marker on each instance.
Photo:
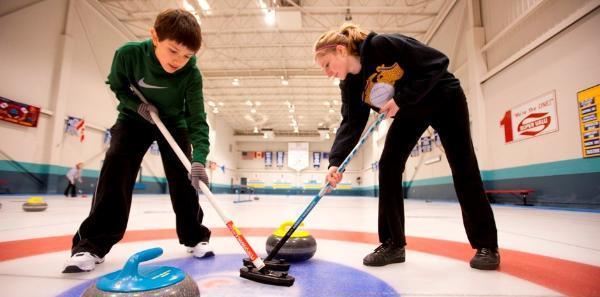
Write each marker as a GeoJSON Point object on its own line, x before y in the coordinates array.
{"type": "Point", "coordinates": [164, 70]}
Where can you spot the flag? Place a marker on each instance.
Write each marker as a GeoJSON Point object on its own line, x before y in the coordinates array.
{"type": "Point", "coordinates": [248, 155]}
{"type": "Point", "coordinates": [76, 127]}
{"type": "Point", "coordinates": [107, 137]}
{"type": "Point", "coordinates": [80, 127]}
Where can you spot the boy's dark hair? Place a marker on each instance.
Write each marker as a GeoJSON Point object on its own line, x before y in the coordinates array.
{"type": "Point", "coordinates": [180, 26]}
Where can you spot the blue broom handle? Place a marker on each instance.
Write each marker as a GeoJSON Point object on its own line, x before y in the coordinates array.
{"type": "Point", "coordinates": [325, 189]}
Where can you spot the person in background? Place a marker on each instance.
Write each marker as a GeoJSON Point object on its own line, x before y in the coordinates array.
{"type": "Point", "coordinates": [73, 175]}
{"type": "Point", "coordinates": [408, 81]}
{"type": "Point", "coordinates": [163, 68]}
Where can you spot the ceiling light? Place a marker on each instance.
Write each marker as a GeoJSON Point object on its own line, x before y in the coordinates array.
{"type": "Point", "coordinates": [235, 82]}
{"type": "Point", "coordinates": [255, 130]}
{"type": "Point", "coordinates": [335, 130]}
{"type": "Point", "coordinates": [253, 110]}
{"type": "Point", "coordinates": [336, 81]}
{"type": "Point", "coordinates": [221, 103]}
{"type": "Point", "coordinates": [215, 110]}
{"type": "Point", "coordinates": [188, 6]}
{"type": "Point", "coordinates": [295, 129]}
{"type": "Point", "coordinates": [323, 133]}
{"type": "Point", "coordinates": [205, 6]}
{"type": "Point", "coordinates": [211, 103]}
{"type": "Point", "coordinates": [257, 103]}
{"type": "Point", "coordinates": [268, 133]}
{"type": "Point", "coordinates": [335, 102]}
{"type": "Point", "coordinates": [249, 103]}
{"type": "Point", "coordinates": [331, 110]}
{"type": "Point", "coordinates": [284, 81]}
{"type": "Point", "coordinates": [262, 4]}
{"type": "Point", "coordinates": [270, 17]}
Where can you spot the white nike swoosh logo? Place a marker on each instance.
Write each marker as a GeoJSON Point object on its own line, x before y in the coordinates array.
{"type": "Point", "coordinates": [142, 84]}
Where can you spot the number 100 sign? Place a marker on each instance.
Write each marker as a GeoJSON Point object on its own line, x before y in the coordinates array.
{"type": "Point", "coordinates": [533, 118]}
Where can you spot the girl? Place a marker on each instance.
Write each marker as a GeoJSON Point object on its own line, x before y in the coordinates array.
{"type": "Point", "coordinates": [408, 81]}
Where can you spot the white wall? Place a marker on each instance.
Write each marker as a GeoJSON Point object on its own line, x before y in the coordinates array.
{"type": "Point", "coordinates": [61, 64]}
{"type": "Point", "coordinates": [222, 151]}
{"type": "Point", "coordinates": [28, 58]}
{"type": "Point", "coordinates": [255, 169]}
{"type": "Point", "coordinates": [567, 63]}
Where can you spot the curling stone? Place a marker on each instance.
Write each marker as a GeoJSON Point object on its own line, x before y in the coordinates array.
{"type": "Point", "coordinates": [142, 281]}
{"type": "Point", "coordinates": [301, 246]}
{"type": "Point", "coordinates": [35, 203]}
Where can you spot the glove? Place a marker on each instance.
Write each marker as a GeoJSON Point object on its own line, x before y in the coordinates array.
{"type": "Point", "coordinates": [144, 110]}
{"type": "Point", "coordinates": [198, 174]}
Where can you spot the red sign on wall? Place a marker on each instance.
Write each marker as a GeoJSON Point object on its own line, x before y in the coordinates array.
{"type": "Point", "coordinates": [535, 117]}
{"type": "Point", "coordinates": [19, 113]}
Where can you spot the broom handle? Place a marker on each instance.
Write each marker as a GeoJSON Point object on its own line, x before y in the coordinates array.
{"type": "Point", "coordinates": [257, 261]}
{"type": "Point", "coordinates": [325, 189]}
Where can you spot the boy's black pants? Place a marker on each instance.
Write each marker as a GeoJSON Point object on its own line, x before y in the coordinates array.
{"type": "Point", "coordinates": [109, 214]}
{"type": "Point", "coordinates": [71, 188]}
{"type": "Point", "coordinates": [449, 116]}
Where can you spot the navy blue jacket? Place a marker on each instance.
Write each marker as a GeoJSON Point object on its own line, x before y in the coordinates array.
{"type": "Point", "coordinates": [392, 66]}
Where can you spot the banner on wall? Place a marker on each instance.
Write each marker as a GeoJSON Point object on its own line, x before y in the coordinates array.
{"type": "Point", "coordinates": [533, 118]}
{"type": "Point", "coordinates": [436, 139]}
{"type": "Point", "coordinates": [279, 158]}
{"type": "Point", "coordinates": [76, 127]}
{"type": "Point", "coordinates": [415, 151]}
{"type": "Point", "coordinates": [268, 159]}
{"type": "Point", "coordinates": [425, 144]}
{"type": "Point", "coordinates": [375, 166]}
{"type": "Point", "coordinates": [298, 155]}
{"type": "Point", "coordinates": [589, 121]}
{"type": "Point", "coordinates": [19, 113]}
{"type": "Point", "coordinates": [317, 159]}
{"type": "Point", "coordinates": [154, 150]}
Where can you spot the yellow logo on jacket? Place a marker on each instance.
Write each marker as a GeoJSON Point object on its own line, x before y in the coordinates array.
{"type": "Point", "coordinates": [380, 85]}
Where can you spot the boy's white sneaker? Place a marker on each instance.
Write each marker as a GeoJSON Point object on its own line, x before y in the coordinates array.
{"type": "Point", "coordinates": [82, 262]}
{"type": "Point", "coordinates": [201, 250]}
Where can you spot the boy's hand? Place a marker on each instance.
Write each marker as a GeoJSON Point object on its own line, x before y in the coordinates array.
{"type": "Point", "coordinates": [333, 177]}
{"type": "Point", "coordinates": [198, 174]}
{"type": "Point", "coordinates": [144, 110]}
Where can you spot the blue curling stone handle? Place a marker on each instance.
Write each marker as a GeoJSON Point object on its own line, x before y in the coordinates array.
{"type": "Point", "coordinates": [133, 278]}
